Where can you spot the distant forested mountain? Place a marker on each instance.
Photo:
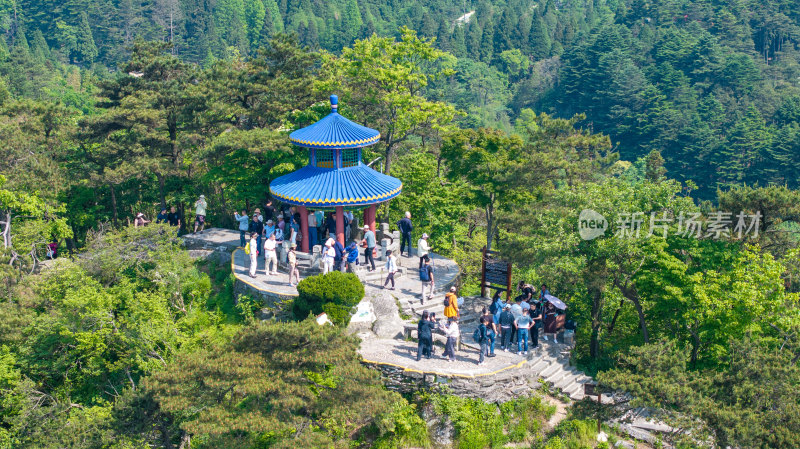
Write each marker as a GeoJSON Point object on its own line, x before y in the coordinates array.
{"type": "Point", "coordinates": [711, 85]}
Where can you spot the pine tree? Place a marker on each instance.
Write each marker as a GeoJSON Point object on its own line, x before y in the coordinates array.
{"type": "Point", "coordinates": [274, 15]}
{"type": "Point", "coordinates": [486, 50]}
{"type": "Point", "coordinates": [782, 162]}
{"type": "Point", "coordinates": [458, 43]}
{"type": "Point", "coordinates": [201, 33]}
{"type": "Point", "coordinates": [85, 49]}
{"type": "Point", "coordinates": [368, 29]}
{"type": "Point", "coordinates": [40, 49]}
{"type": "Point", "coordinates": [503, 36]}
{"type": "Point", "coordinates": [473, 40]}
{"type": "Point", "coordinates": [429, 26]}
{"type": "Point", "coordinates": [443, 36]}
{"type": "Point", "coordinates": [539, 38]}
{"type": "Point", "coordinates": [748, 141]}
{"type": "Point", "coordinates": [255, 14]}
{"type": "Point", "coordinates": [229, 18]}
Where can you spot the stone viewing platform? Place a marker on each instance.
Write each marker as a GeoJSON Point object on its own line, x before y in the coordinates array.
{"type": "Point", "coordinates": [385, 317]}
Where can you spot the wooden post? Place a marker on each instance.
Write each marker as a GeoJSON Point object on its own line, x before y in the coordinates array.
{"type": "Point", "coordinates": [483, 272]}
{"type": "Point", "coordinates": [304, 229]}
{"type": "Point", "coordinates": [508, 283]}
{"type": "Point", "coordinates": [340, 224]}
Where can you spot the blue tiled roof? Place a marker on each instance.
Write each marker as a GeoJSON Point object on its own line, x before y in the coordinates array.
{"type": "Point", "coordinates": [317, 187]}
{"type": "Point", "coordinates": [335, 131]}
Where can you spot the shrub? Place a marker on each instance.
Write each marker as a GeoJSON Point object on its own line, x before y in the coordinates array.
{"type": "Point", "coordinates": [334, 293]}
{"type": "Point", "coordinates": [576, 433]}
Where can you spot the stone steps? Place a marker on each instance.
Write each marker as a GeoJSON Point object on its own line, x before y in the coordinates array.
{"type": "Point", "coordinates": [549, 370]}
{"type": "Point", "coordinates": [540, 366]}
{"type": "Point", "coordinates": [379, 274]}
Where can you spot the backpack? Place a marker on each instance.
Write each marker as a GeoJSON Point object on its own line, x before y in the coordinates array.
{"type": "Point", "coordinates": [446, 301]}
{"type": "Point", "coordinates": [247, 248]}
{"type": "Point", "coordinates": [493, 307]}
{"type": "Point", "coordinates": [424, 274]}
{"type": "Point", "coordinates": [251, 227]}
{"type": "Point", "coordinates": [477, 335]}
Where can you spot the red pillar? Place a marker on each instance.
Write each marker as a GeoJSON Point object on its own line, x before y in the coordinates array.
{"type": "Point", "coordinates": [340, 224]}
{"type": "Point", "coordinates": [372, 216]}
{"type": "Point", "coordinates": [304, 228]}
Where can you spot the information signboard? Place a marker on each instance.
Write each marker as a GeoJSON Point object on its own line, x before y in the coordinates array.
{"type": "Point", "coordinates": [495, 273]}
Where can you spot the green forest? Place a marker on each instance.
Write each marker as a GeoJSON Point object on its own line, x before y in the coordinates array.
{"type": "Point", "coordinates": [503, 120]}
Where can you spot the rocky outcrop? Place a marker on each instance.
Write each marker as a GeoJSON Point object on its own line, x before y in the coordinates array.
{"type": "Point", "coordinates": [388, 323]}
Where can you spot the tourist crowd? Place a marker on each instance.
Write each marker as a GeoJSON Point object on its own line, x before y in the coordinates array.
{"type": "Point", "coordinates": [514, 326]}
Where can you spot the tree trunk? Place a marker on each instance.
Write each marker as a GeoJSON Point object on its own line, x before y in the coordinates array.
{"type": "Point", "coordinates": [182, 217]}
{"type": "Point", "coordinates": [7, 231]}
{"type": "Point", "coordinates": [389, 155]}
{"type": "Point", "coordinates": [642, 323]}
{"type": "Point", "coordinates": [166, 435]}
{"type": "Point", "coordinates": [597, 309]}
{"type": "Point", "coordinates": [616, 315]}
{"type": "Point", "coordinates": [490, 222]}
{"type": "Point", "coordinates": [161, 190]}
{"type": "Point", "coordinates": [114, 203]}
{"type": "Point", "coordinates": [631, 295]}
{"type": "Point", "coordinates": [695, 347]}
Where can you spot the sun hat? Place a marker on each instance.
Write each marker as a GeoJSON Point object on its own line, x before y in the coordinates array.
{"type": "Point", "coordinates": [453, 288]}
{"type": "Point", "coordinates": [293, 246]}
{"type": "Point", "coordinates": [203, 196]}
{"type": "Point", "coordinates": [424, 235]}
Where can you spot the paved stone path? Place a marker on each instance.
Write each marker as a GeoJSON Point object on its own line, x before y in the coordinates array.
{"type": "Point", "coordinates": [274, 283]}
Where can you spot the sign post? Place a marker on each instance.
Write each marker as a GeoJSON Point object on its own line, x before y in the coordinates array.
{"type": "Point", "coordinates": [495, 273]}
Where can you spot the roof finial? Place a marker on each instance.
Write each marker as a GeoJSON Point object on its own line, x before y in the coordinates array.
{"type": "Point", "coordinates": [334, 103]}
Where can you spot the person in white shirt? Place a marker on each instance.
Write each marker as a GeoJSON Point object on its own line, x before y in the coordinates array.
{"type": "Point", "coordinates": [391, 268]}
{"type": "Point", "coordinates": [253, 254]}
{"type": "Point", "coordinates": [270, 256]}
{"type": "Point", "coordinates": [200, 214]}
{"type": "Point", "coordinates": [452, 333]}
{"type": "Point", "coordinates": [422, 248]}
{"type": "Point", "coordinates": [328, 254]}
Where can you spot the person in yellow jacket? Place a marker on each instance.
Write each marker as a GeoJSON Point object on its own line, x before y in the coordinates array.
{"type": "Point", "coordinates": [451, 309]}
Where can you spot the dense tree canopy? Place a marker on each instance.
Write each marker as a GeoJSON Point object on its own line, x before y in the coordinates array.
{"type": "Point", "coordinates": [503, 119]}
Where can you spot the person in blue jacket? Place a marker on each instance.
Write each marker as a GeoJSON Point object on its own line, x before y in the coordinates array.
{"type": "Point", "coordinates": [352, 254]}
{"type": "Point", "coordinates": [339, 258]}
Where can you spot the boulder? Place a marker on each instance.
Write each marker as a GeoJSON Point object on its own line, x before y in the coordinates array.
{"type": "Point", "coordinates": [388, 327]}
{"type": "Point", "coordinates": [384, 305]}
{"type": "Point", "coordinates": [388, 323]}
